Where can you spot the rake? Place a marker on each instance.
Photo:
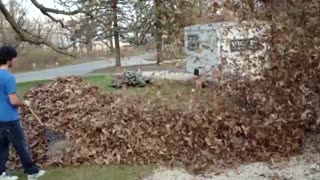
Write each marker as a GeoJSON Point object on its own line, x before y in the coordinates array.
{"type": "Point", "coordinates": [51, 136]}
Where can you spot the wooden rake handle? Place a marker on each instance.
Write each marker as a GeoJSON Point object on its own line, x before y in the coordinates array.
{"type": "Point", "coordinates": [32, 112]}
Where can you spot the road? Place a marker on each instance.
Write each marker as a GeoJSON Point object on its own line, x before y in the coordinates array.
{"type": "Point", "coordinates": [81, 69]}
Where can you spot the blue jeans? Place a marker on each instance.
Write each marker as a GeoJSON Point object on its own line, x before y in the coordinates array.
{"type": "Point", "coordinates": [12, 132]}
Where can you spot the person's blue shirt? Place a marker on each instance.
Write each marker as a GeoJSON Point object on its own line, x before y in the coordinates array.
{"type": "Point", "coordinates": [8, 112]}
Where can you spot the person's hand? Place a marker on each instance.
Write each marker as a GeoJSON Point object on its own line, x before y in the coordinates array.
{"type": "Point", "coordinates": [27, 103]}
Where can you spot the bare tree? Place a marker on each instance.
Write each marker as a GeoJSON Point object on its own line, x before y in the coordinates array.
{"type": "Point", "coordinates": [158, 33]}
{"type": "Point", "coordinates": [30, 37]}
{"type": "Point", "coordinates": [116, 32]}
{"type": "Point", "coordinates": [109, 21]}
{"type": "Point", "coordinates": [8, 36]}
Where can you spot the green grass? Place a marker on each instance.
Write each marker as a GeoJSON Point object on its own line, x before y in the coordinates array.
{"type": "Point", "coordinates": [168, 89]}
{"type": "Point", "coordinates": [100, 81]}
{"type": "Point", "coordinates": [120, 172]}
{"type": "Point", "coordinates": [25, 86]}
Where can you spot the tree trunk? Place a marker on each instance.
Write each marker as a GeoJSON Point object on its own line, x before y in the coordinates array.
{"type": "Point", "coordinates": [3, 31]}
{"type": "Point", "coordinates": [111, 45]}
{"type": "Point", "coordinates": [200, 8]}
{"type": "Point", "coordinates": [90, 29]}
{"type": "Point", "coordinates": [74, 47]}
{"type": "Point", "coordinates": [158, 33]}
{"type": "Point", "coordinates": [89, 47]}
{"type": "Point", "coordinates": [116, 33]}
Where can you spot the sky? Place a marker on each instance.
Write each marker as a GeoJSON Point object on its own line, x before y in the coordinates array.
{"type": "Point", "coordinates": [35, 12]}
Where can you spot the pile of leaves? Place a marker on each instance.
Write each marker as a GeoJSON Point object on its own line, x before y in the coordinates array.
{"type": "Point", "coordinates": [130, 79]}
{"type": "Point", "coordinates": [250, 119]}
{"type": "Point", "coordinates": [108, 128]}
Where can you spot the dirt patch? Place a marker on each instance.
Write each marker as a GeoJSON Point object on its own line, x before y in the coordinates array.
{"type": "Point", "coordinates": [303, 167]}
{"type": "Point", "coordinates": [297, 169]}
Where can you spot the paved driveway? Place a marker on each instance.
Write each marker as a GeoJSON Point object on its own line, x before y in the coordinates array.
{"type": "Point", "coordinates": [81, 69]}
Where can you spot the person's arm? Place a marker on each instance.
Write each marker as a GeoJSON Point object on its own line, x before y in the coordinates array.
{"type": "Point", "coordinates": [15, 100]}
{"type": "Point", "coordinates": [11, 91]}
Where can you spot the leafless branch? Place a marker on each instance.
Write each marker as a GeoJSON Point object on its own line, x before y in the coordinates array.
{"type": "Point", "coordinates": [56, 11]}
{"type": "Point", "coordinates": [26, 37]}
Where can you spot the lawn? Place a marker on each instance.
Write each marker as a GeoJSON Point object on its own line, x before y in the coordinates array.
{"type": "Point", "coordinates": [25, 86]}
{"type": "Point", "coordinates": [95, 173]}
{"type": "Point", "coordinates": [167, 89]}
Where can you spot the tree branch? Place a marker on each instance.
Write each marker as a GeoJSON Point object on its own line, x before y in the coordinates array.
{"type": "Point", "coordinates": [24, 36]}
{"type": "Point", "coordinates": [56, 11]}
{"type": "Point", "coordinates": [45, 11]}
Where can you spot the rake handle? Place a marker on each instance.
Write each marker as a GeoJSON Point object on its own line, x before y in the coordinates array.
{"type": "Point", "coordinates": [32, 112]}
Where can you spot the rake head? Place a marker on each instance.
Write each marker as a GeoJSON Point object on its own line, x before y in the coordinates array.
{"type": "Point", "coordinates": [54, 137]}
{"type": "Point", "coordinates": [58, 148]}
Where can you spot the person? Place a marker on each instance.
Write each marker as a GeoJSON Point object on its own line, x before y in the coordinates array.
{"type": "Point", "coordinates": [11, 130]}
